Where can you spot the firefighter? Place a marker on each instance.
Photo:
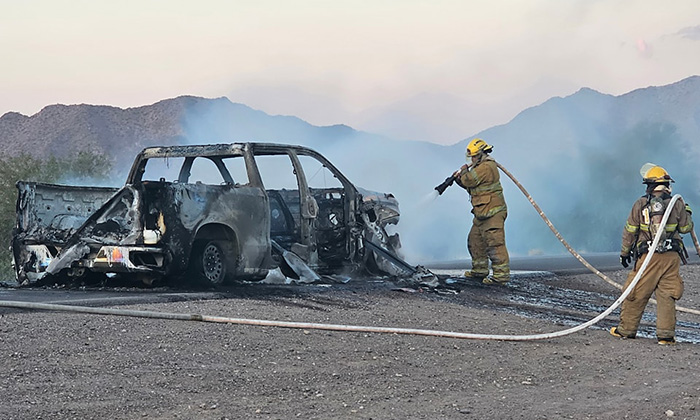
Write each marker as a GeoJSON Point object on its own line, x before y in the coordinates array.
{"type": "Point", "coordinates": [662, 274]}
{"type": "Point", "coordinates": [486, 239]}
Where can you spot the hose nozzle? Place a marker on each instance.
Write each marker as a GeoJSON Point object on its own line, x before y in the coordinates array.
{"type": "Point", "coordinates": [446, 183]}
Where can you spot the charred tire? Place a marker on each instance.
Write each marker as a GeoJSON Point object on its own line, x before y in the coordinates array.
{"type": "Point", "coordinates": [214, 262]}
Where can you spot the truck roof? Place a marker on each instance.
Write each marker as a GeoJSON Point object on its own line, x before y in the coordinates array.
{"type": "Point", "coordinates": [221, 149]}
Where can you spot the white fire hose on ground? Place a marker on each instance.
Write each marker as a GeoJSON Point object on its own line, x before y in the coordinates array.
{"type": "Point", "coordinates": [353, 328]}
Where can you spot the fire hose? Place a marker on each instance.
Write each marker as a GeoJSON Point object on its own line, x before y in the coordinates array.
{"type": "Point", "coordinates": [353, 328]}
{"type": "Point", "coordinates": [576, 254]}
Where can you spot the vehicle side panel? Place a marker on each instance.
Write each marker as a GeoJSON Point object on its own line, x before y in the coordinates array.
{"type": "Point", "coordinates": [240, 214]}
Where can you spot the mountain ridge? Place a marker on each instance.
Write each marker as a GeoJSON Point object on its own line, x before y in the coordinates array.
{"type": "Point", "coordinates": [578, 155]}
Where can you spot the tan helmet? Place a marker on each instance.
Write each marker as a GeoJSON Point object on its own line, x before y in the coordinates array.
{"type": "Point", "coordinates": [477, 146]}
{"type": "Point", "coordinates": [654, 174]}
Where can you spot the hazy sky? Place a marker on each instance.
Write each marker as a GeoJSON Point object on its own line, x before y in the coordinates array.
{"type": "Point", "coordinates": [435, 70]}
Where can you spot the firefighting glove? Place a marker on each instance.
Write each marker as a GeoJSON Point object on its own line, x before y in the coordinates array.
{"type": "Point", "coordinates": [625, 260]}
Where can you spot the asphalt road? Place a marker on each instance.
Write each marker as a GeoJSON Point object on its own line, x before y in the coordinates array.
{"type": "Point", "coordinates": [521, 266]}
{"type": "Point", "coordinates": [557, 264]}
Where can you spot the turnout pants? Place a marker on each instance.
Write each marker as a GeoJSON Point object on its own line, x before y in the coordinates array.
{"type": "Point", "coordinates": [487, 241]}
{"type": "Point", "coordinates": [662, 276]}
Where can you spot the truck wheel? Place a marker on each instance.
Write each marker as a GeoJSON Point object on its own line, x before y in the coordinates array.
{"type": "Point", "coordinates": [214, 262]}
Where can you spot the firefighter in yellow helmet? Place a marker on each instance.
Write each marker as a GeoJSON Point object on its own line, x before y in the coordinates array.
{"type": "Point", "coordinates": [662, 274]}
{"type": "Point", "coordinates": [486, 239]}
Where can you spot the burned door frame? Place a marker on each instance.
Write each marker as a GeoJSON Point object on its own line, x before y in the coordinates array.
{"type": "Point", "coordinates": [351, 204]}
{"type": "Point", "coordinates": [308, 211]}
{"type": "Point", "coordinates": [306, 246]}
{"type": "Point", "coordinates": [308, 203]}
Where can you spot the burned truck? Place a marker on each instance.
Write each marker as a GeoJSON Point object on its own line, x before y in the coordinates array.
{"type": "Point", "coordinates": [206, 213]}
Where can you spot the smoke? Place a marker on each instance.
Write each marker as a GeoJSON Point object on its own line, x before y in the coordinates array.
{"type": "Point", "coordinates": [589, 198]}
{"type": "Point", "coordinates": [579, 157]}
{"type": "Point", "coordinates": [585, 181]}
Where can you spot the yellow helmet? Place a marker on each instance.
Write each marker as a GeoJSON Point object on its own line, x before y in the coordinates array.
{"type": "Point", "coordinates": [655, 174]}
{"type": "Point", "coordinates": [477, 146]}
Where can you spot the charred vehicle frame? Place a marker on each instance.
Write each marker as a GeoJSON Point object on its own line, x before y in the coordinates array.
{"type": "Point", "coordinates": [205, 212]}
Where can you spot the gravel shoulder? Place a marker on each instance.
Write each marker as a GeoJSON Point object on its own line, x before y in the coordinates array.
{"type": "Point", "coordinates": [66, 365]}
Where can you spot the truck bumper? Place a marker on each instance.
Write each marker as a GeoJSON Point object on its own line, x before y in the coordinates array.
{"type": "Point", "coordinates": [127, 259]}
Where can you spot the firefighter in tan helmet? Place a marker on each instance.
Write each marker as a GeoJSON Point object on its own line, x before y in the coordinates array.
{"type": "Point", "coordinates": [486, 239]}
{"type": "Point", "coordinates": [662, 274]}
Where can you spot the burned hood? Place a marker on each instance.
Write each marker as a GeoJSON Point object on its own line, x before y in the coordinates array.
{"type": "Point", "coordinates": [384, 206]}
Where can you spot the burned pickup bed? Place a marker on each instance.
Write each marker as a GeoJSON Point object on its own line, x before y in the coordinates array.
{"type": "Point", "coordinates": [207, 213]}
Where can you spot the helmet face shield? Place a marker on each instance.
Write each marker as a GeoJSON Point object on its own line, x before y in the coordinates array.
{"type": "Point", "coordinates": [654, 174]}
